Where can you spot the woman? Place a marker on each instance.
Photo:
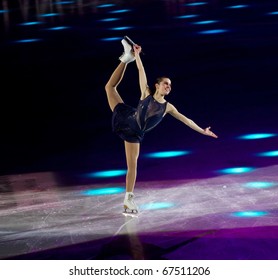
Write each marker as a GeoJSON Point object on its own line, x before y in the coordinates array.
{"type": "Point", "coordinates": [132, 123]}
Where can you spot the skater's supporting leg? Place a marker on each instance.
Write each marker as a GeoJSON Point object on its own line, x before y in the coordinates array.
{"type": "Point", "coordinates": [132, 153]}
{"type": "Point", "coordinates": [111, 87]}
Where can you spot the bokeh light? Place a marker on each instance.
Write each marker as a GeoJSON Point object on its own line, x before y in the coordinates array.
{"type": "Point", "coordinates": [236, 170]}
{"type": "Point", "coordinates": [103, 191]}
{"type": "Point", "coordinates": [255, 136]}
{"type": "Point", "coordinates": [167, 154]}
{"type": "Point", "coordinates": [249, 214]}
{"type": "Point", "coordinates": [106, 173]}
{"type": "Point", "coordinates": [269, 154]}
{"type": "Point", "coordinates": [213, 31]}
{"type": "Point", "coordinates": [260, 185]}
{"type": "Point", "coordinates": [156, 205]}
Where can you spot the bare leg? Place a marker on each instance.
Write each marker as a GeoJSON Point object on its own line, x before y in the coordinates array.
{"type": "Point", "coordinates": [132, 153]}
{"type": "Point", "coordinates": [111, 87]}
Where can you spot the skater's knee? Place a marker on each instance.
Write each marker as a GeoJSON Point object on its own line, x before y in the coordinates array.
{"type": "Point", "coordinates": [132, 164]}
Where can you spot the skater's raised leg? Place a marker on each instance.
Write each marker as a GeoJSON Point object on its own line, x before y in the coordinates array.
{"type": "Point", "coordinates": [111, 87]}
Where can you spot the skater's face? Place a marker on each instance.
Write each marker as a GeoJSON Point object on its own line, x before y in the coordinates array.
{"type": "Point", "coordinates": [163, 86]}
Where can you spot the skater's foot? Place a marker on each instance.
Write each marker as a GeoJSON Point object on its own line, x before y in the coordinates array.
{"type": "Point", "coordinates": [127, 55]}
{"type": "Point", "coordinates": [129, 204]}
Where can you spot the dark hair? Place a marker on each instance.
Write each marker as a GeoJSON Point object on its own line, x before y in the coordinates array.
{"type": "Point", "coordinates": [157, 81]}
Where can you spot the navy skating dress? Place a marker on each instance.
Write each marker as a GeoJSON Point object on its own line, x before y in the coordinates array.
{"type": "Point", "coordinates": [131, 124]}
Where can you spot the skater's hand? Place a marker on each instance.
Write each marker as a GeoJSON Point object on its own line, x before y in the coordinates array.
{"type": "Point", "coordinates": [137, 49]}
{"type": "Point", "coordinates": [209, 133]}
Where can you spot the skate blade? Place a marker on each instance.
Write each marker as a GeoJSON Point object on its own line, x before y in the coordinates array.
{"type": "Point", "coordinates": [128, 212]}
{"type": "Point", "coordinates": [131, 214]}
{"type": "Point", "coordinates": [131, 42]}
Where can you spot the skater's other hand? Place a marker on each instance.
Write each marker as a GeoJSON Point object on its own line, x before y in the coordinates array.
{"type": "Point", "coordinates": [208, 132]}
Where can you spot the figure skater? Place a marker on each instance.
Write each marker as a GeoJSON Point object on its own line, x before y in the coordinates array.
{"type": "Point", "coordinates": [132, 123]}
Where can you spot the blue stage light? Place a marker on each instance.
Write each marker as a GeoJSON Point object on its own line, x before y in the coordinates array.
{"type": "Point", "coordinates": [260, 185]}
{"type": "Point", "coordinates": [109, 19]}
{"type": "Point", "coordinates": [237, 7]}
{"type": "Point", "coordinates": [111, 39]}
{"type": "Point", "coordinates": [106, 173]}
{"type": "Point", "coordinates": [213, 31]}
{"type": "Point", "coordinates": [49, 15]}
{"type": "Point", "coordinates": [121, 28]}
{"type": "Point", "coordinates": [30, 23]}
{"type": "Point", "coordinates": [58, 28]}
{"type": "Point", "coordinates": [205, 22]}
{"type": "Point", "coordinates": [156, 205]}
{"type": "Point", "coordinates": [250, 214]}
{"type": "Point", "coordinates": [64, 2]}
{"type": "Point", "coordinates": [196, 4]}
{"type": "Point", "coordinates": [256, 136]}
{"type": "Point", "coordinates": [273, 13]}
{"type": "Point", "coordinates": [106, 5]}
{"type": "Point", "coordinates": [103, 191]}
{"type": "Point", "coordinates": [236, 170]}
{"type": "Point", "coordinates": [3, 11]}
{"type": "Point", "coordinates": [120, 11]}
{"type": "Point", "coordinates": [28, 41]}
{"type": "Point", "coordinates": [167, 154]}
{"type": "Point", "coordinates": [268, 154]}
{"type": "Point", "coordinates": [187, 16]}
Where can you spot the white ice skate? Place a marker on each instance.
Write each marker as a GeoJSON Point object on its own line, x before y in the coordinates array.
{"type": "Point", "coordinates": [129, 205]}
{"type": "Point", "coordinates": [129, 41]}
{"type": "Point", "coordinates": [127, 55]}
{"type": "Point", "coordinates": [132, 44]}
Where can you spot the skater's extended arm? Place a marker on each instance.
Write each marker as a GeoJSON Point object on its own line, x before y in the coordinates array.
{"type": "Point", "coordinates": [145, 91]}
{"type": "Point", "coordinates": [175, 113]}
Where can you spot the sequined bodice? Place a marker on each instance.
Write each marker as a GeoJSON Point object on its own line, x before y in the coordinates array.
{"type": "Point", "coordinates": [149, 113]}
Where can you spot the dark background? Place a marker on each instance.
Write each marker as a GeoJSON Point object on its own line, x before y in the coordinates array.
{"type": "Point", "coordinates": [54, 113]}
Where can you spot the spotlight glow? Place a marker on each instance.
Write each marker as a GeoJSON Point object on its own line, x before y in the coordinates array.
{"type": "Point", "coordinates": [249, 214]}
{"type": "Point", "coordinates": [186, 16]}
{"type": "Point", "coordinates": [256, 136]}
{"type": "Point", "coordinates": [157, 205]}
{"type": "Point", "coordinates": [273, 13]}
{"type": "Point", "coordinates": [106, 173]}
{"type": "Point", "coordinates": [120, 11]}
{"type": "Point", "coordinates": [196, 4]}
{"type": "Point", "coordinates": [121, 28]}
{"type": "Point", "coordinates": [237, 7]}
{"type": "Point", "coordinates": [30, 23]}
{"type": "Point", "coordinates": [167, 154]}
{"type": "Point", "coordinates": [269, 154]}
{"type": "Point", "coordinates": [49, 15]}
{"type": "Point", "coordinates": [108, 19]}
{"type": "Point", "coordinates": [58, 28]}
{"type": "Point", "coordinates": [106, 5]}
{"type": "Point", "coordinates": [103, 191]}
{"type": "Point", "coordinates": [236, 170]}
{"type": "Point", "coordinates": [64, 2]}
{"type": "Point", "coordinates": [28, 41]}
{"type": "Point", "coordinates": [205, 22]}
{"type": "Point", "coordinates": [260, 185]}
{"type": "Point", "coordinates": [111, 39]}
{"type": "Point", "coordinates": [213, 31]}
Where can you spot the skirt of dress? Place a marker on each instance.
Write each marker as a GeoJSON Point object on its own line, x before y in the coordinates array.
{"type": "Point", "coordinates": [124, 123]}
